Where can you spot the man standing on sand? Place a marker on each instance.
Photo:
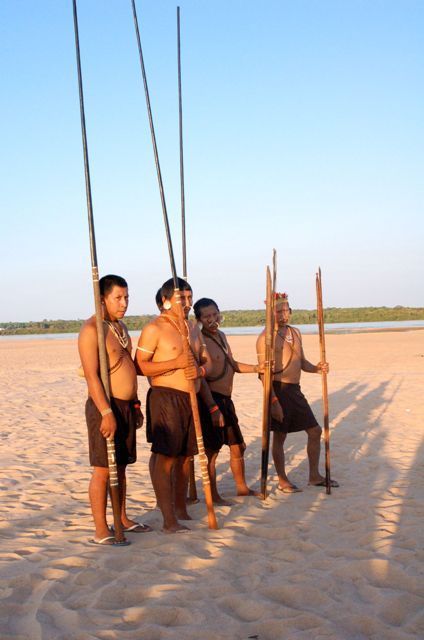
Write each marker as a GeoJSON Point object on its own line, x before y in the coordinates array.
{"type": "Point", "coordinates": [170, 427]}
{"type": "Point", "coordinates": [219, 419]}
{"type": "Point", "coordinates": [118, 418]}
{"type": "Point", "coordinates": [290, 411]}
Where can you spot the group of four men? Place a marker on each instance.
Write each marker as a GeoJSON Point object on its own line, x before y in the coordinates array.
{"type": "Point", "coordinates": [171, 367]}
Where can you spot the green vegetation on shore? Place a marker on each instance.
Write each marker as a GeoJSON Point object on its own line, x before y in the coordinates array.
{"type": "Point", "coordinates": [233, 318]}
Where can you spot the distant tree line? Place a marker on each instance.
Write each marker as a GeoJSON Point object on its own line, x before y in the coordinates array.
{"type": "Point", "coordinates": [233, 318]}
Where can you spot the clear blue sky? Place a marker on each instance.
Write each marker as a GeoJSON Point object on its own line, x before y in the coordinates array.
{"type": "Point", "coordinates": [303, 131]}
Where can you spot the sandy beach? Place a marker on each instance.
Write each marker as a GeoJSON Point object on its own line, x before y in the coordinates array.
{"type": "Point", "coordinates": [304, 566]}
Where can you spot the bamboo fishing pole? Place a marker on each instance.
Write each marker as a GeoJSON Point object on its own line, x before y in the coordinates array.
{"type": "Point", "coordinates": [212, 523]}
{"type": "Point", "coordinates": [267, 385]}
{"type": "Point", "coordinates": [104, 375]}
{"type": "Point", "coordinates": [192, 493]}
{"type": "Point", "coordinates": [320, 315]}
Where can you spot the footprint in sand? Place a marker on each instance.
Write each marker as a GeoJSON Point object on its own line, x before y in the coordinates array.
{"type": "Point", "coordinates": [297, 596]}
{"type": "Point", "coordinates": [242, 607]}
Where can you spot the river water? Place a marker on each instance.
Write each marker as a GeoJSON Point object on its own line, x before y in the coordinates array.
{"type": "Point", "coordinates": [339, 327]}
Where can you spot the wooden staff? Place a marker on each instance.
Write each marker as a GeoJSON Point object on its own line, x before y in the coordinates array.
{"type": "Point", "coordinates": [267, 385]}
{"type": "Point", "coordinates": [104, 375]}
{"type": "Point", "coordinates": [192, 491]}
{"type": "Point", "coordinates": [320, 315]}
{"type": "Point", "coordinates": [183, 328]}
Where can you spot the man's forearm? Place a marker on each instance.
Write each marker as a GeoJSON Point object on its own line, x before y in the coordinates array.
{"type": "Point", "coordinates": [97, 393]}
{"type": "Point", "coordinates": [153, 369]}
{"type": "Point", "coordinates": [242, 367]}
{"type": "Point", "coordinates": [206, 394]}
{"type": "Point", "coordinates": [308, 367]}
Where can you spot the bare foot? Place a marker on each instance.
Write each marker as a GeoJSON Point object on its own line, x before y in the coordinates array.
{"type": "Point", "coordinates": [176, 528]}
{"type": "Point", "coordinates": [248, 492]}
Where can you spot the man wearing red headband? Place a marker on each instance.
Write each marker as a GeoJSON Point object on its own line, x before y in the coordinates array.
{"type": "Point", "coordinates": [290, 411]}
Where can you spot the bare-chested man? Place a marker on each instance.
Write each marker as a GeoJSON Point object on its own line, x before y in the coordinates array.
{"type": "Point", "coordinates": [116, 419]}
{"type": "Point", "coordinates": [160, 356]}
{"type": "Point", "coordinates": [219, 419]}
{"type": "Point", "coordinates": [290, 410]}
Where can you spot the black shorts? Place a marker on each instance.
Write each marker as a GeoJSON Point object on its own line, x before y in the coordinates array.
{"type": "Point", "coordinates": [169, 422]}
{"type": "Point", "coordinates": [148, 420]}
{"type": "Point", "coordinates": [125, 439]}
{"type": "Point", "coordinates": [298, 414]}
{"type": "Point", "coordinates": [214, 438]}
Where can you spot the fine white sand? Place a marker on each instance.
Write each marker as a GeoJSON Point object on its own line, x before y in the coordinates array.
{"type": "Point", "coordinates": [304, 566]}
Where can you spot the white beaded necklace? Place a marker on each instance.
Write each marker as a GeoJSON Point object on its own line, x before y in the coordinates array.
{"type": "Point", "coordinates": [122, 338]}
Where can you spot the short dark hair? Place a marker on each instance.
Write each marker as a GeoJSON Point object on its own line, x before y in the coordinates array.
{"type": "Point", "coordinates": [201, 304]}
{"type": "Point", "coordinates": [167, 289]}
{"type": "Point", "coordinates": [107, 283]}
{"type": "Point", "coordinates": [158, 299]}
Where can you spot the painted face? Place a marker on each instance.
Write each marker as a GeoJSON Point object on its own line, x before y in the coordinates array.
{"type": "Point", "coordinates": [116, 302]}
{"type": "Point", "coordinates": [282, 313]}
{"type": "Point", "coordinates": [210, 318]}
{"type": "Point", "coordinates": [186, 302]}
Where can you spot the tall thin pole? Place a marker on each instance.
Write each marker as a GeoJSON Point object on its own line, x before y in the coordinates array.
{"type": "Point", "coordinates": [180, 112]}
{"type": "Point", "coordinates": [267, 386]}
{"type": "Point", "coordinates": [192, 491]}
{"type": "Point", "coordinates": [192, 392]}
{"type": "Point", "coordinates": [110, 443]}
{"type": "Point", "coordinates": [320, 314]}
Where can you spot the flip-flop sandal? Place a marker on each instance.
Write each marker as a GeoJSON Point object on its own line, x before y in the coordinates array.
{"type": "Point", "coordinates": [333, 483]}
{"type": "Point", "coordinates": [109, 541]}
{"type": "Point", "coordinates": [138, 527]}
{"type": "Point", "coordinates": [292, 488]}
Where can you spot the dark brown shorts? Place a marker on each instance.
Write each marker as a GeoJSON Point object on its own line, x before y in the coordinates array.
{"type": "Point", "coordinates": [214, 438]}
{"type": "Point", "coordinates": [169, 422]}
{"type": "Point", "coordinates": [298, 414]}
{"type": "Point", "coordinates": [125, 440]}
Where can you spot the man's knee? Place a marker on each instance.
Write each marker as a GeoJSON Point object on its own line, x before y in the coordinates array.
{"type": "Point", "coordinates": [165, 463]}
{"type": "Point", "coordinates": [237, 451]}
{"type": "Point", "coordinates": [211, 455]}
{"type": "Point", "coordinates": [278, 438]}
{"type": "Point", "coordinates": [314, 433]}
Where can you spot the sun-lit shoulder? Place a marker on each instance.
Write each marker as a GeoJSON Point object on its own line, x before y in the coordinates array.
{"type": "Point", "coordinates": [151, 330]}
{"type": "Point", "coordinates": [88, 329]}
{"type": "Point", "coordinates": [296, 332]}
{"type": "Point", "coordinates": [260, 339]}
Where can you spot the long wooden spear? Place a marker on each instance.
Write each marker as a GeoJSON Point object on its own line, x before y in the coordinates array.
{"type": "Point", "coordinates": [267, 385]}
{"type": "Point", "coordinates": [192, 493]}
{"type": "Point", "coordinates": [320, 314]}
{"type": "Point", "coordinates": [180, 121]}
{"type": "Point", "coordinates": [193, 399]}
{"type": "Point", "coordinates": [110, 443]}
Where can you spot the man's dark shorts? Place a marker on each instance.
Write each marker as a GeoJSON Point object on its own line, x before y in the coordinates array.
{"type": "Point", "coordinates": [169, 422]}
{"type": "Point", "coordinates": [298, 414]}
{"type": "Point", "coordinates": [214, 438]}
{"type": "Point", "coordinates": [125, 439]}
